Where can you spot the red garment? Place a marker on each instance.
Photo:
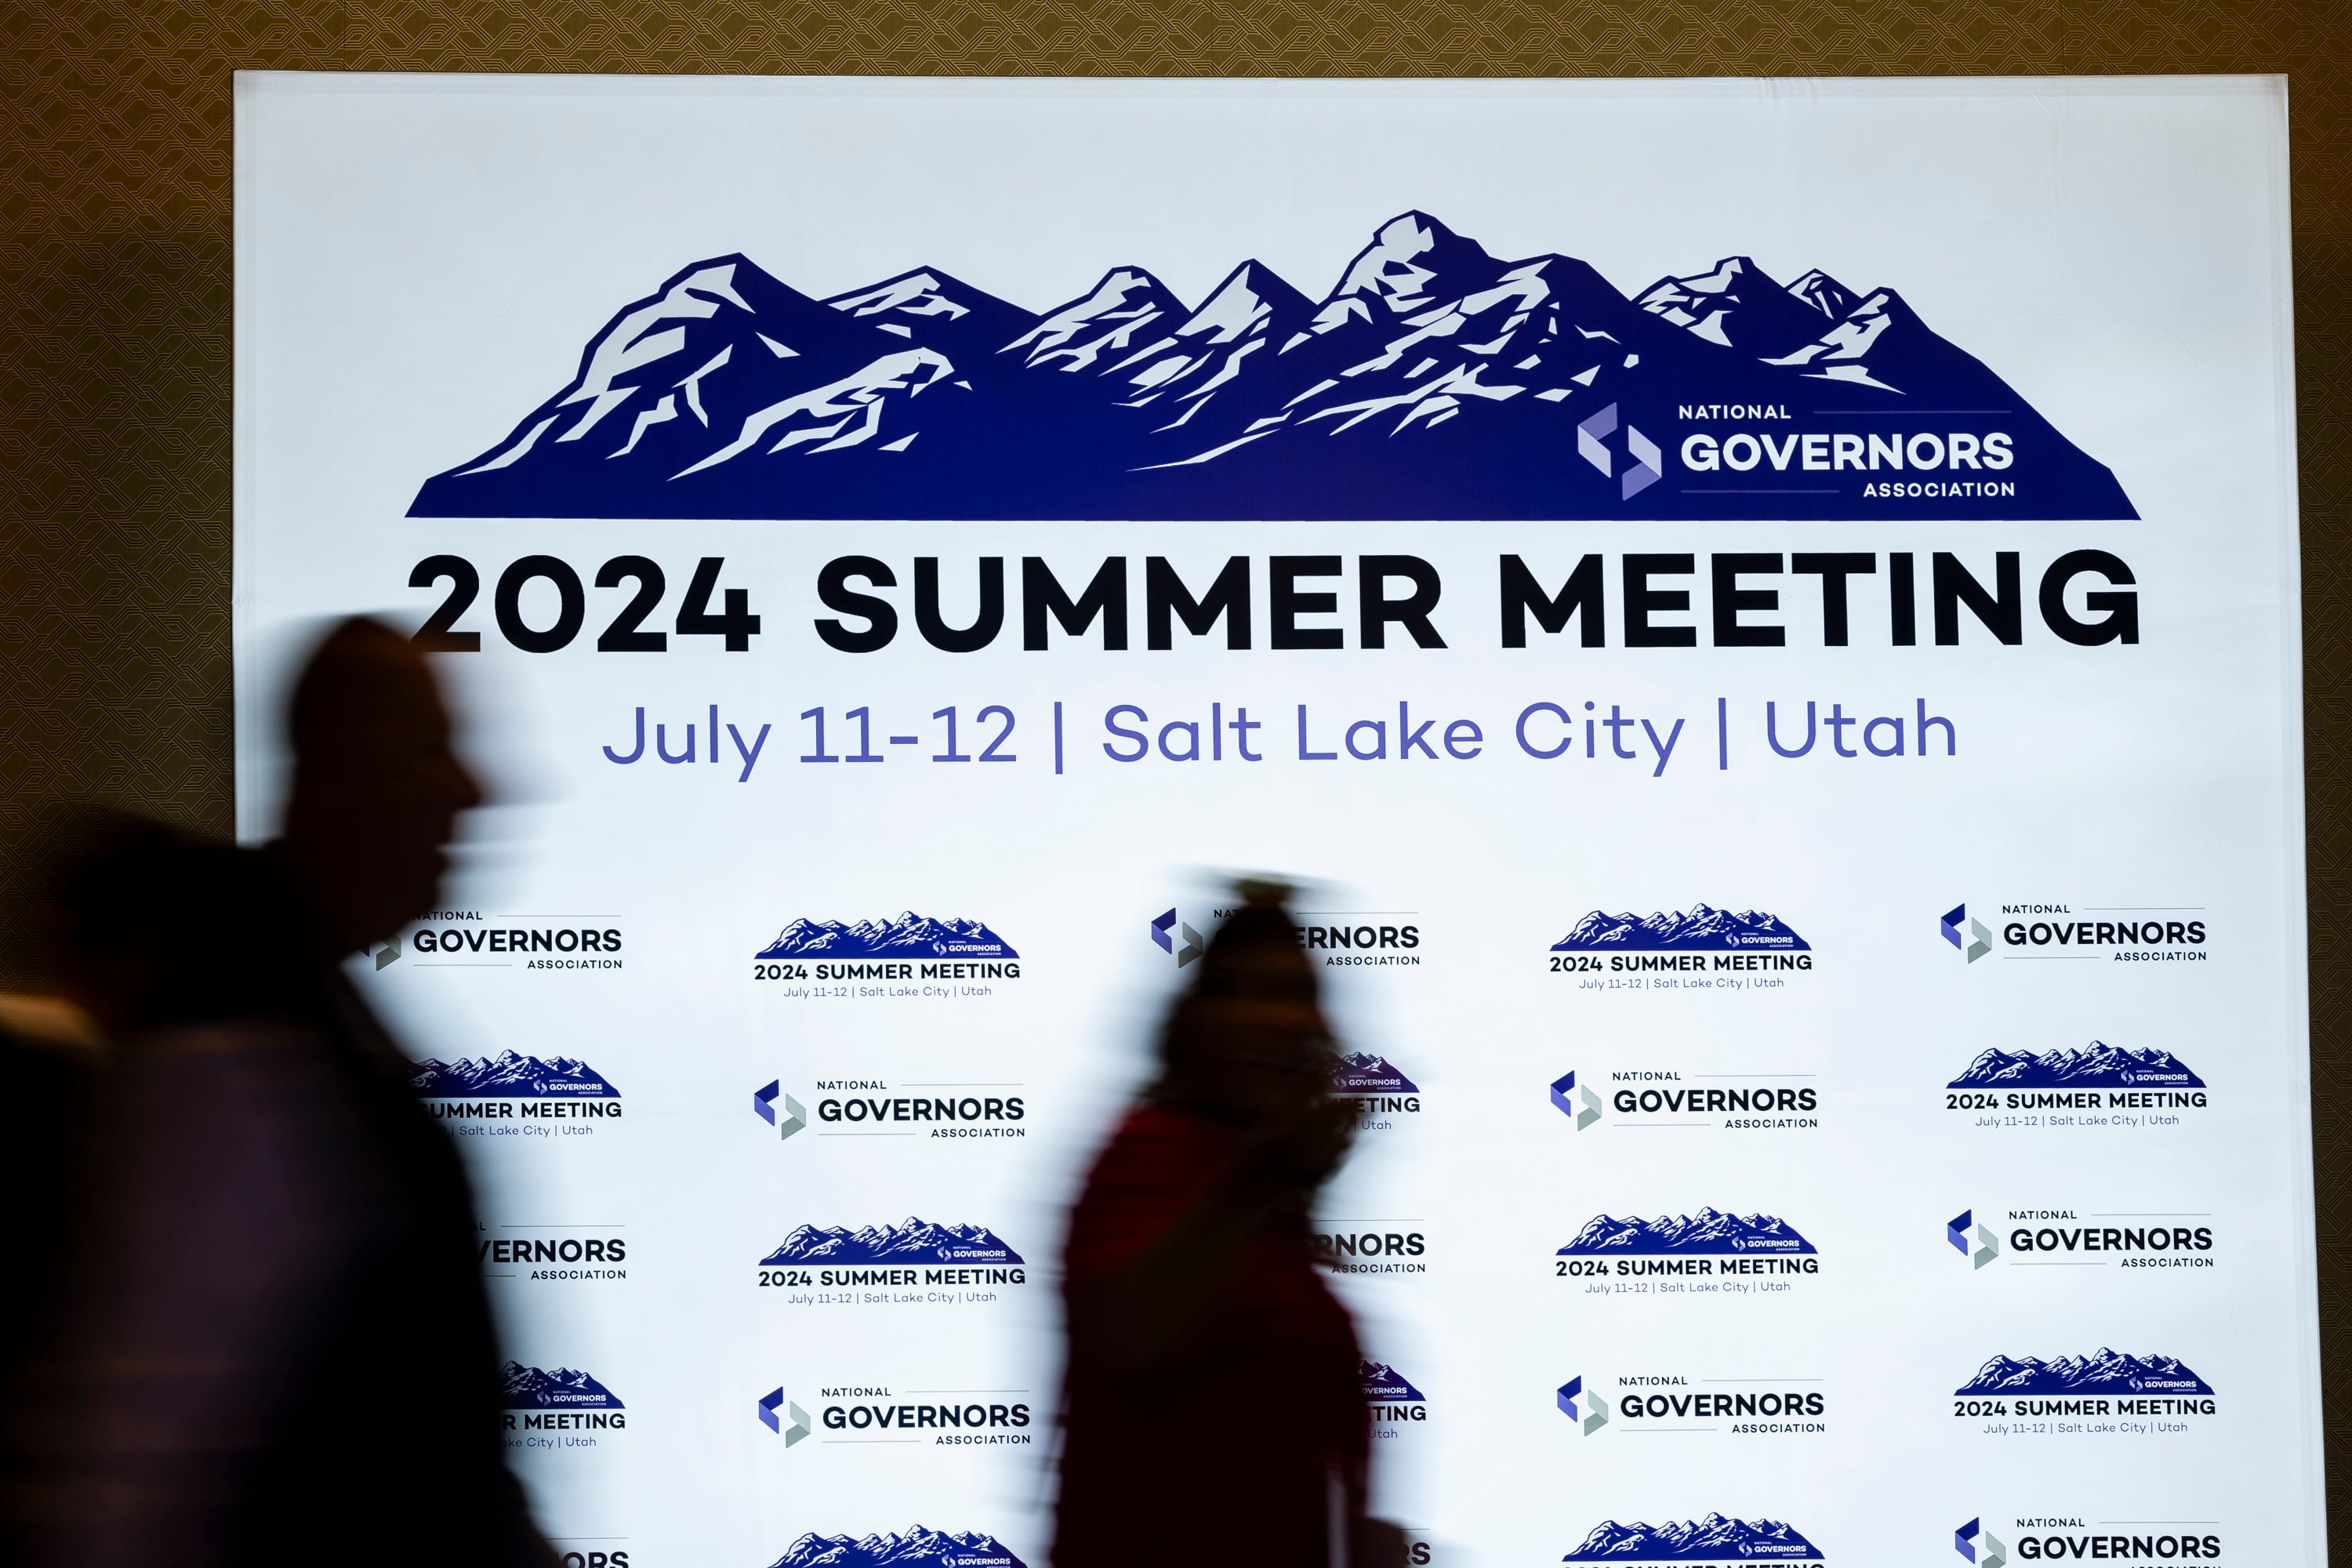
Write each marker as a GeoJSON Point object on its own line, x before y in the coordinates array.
{"type": "Point", "coordinates": [1236, 1433]}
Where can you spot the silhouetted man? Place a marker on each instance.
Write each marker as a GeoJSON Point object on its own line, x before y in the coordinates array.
{"type": "Point", "coordinates": [286, 1355]}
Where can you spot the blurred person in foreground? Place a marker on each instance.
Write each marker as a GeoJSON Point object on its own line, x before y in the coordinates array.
{"type": "Point", "coordinates": [1211, 1370]}
{"type": "Point", "coordinates": [282, 1352]}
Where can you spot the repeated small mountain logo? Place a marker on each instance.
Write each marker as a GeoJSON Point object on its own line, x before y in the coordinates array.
{"type": "Point", "coordinates": [1704, 930]}
{"type": "Point", "coordinates": [1434, 382]}
{"type": "Point", "coordinates": [511, 1075]}
{"type": "Point", "coordinates": [1383, 1384]}
{"type": "Point", "coordinates": [1714, 1539]}
{"type": "Point", "coordinates": [1708, 1233]}
{"type": "Point", "coordinates": [916, 1548]}
{"type": "Point", "coordinates": [913, 1241]}
{"type": "Point", "coordinates": [910, 935]}
{"type": "Point", "coordinates": [524, 1387]}
{"type": "Point", "coordinates": [1360, 1072]}
{"type": "Point", "coordinates": [2105, 1372]}
{"type": "Point", "coordinates": [2097, 1066]}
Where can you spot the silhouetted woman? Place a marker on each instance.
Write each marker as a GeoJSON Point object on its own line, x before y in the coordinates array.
{"type": "Point", "coordinates": [1212, 1378]}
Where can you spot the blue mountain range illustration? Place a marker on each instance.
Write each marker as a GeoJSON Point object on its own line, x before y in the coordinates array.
{"type": "Point", "coordinates": [1704, 928]}
{"type": "Point", "coordinates": [1433, 381]}
{"type": "Point", "coordinates": [1360, 1072]}
{"type": "Point", "coordinates": [915, 1241]}
{"type": "Point", "coordinates": [527, 1388]}
{"type": "Point", "coordinates": [1384, 1385]}
{"type": "Point", "coordinates": [926, 1548]}
{"type": "Point", "coordinates": [1707, 1233]}
{"type": "Point", "coordinates": [909, 936]}
{"type": "Point", "coordinates": [1714, 1539]}
{"type": "Point", "coordinates": [509, 1076]}
{"type": "Point", "coordinates": [2105, 1372]}
{"type": "Point", "coordinates": [2097, 1066]}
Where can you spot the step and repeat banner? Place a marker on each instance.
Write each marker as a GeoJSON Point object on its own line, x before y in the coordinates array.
{"type": "Point", "coordinates": [1761, 618]}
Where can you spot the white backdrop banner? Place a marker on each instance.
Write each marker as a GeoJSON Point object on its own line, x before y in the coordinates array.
{"type": "Point", "coordinates": [1763, 616]}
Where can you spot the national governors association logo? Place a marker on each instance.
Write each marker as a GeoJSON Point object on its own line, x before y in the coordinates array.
{"type": "Point", "coordinates": [1686, 1403]}
{"type": "Point", "coordinates": [2069, 1237]}
{"type": "Point", "coordinates": [2099, 1086]}
{"type": "Point", "coordinates": [1668, 1098]}
{"type": "Point", "coordinates": [916, 1261]}
{"type": "Point", "coordinates": [1705, 948]}
{"type": "Point", "coordinates": [1709, 1245]}
{"type": "Point", "coordinates": [2055, 931]}
{"type": "Point", "coordinates": [2106, 1394]}
{"type": "Point", "coordinates": [1377, 1090]}
{"type": "Point", "coordinates": [1379, 1249]}
{"type": "Point", "coordinates": [560, 1409]}
{"type": "Point", "coordinates": [1334, 939]}
{"type": "Point", "coordinates": [916, 1548]}
{"type": "Point", "coordinates": [515, 1096]}
{"type": "Point", "coordinates": [464, 939]}
{"type": "Point", "coordinates": [2071, 1538]}
{"type": "Point", "coordinates": [1714, 1539]}
{"type": "Point", "coordinates": [911, 956]}
{"type": "Point", "coordinates": [878, 1413]}
{"type": "Point", "coordinates": [993, 1114]}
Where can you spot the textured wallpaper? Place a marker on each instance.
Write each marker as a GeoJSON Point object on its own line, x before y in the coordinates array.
{"type": "Point", "coordinates": [115, 311]}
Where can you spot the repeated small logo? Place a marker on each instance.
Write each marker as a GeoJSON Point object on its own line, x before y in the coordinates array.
{"type": "Point", "coordinates": [2105, 1394]}
{"type": "Point", "coordinates": [981, 1114]}
{"type": "Point", "coordinates": [918, 1261]}
{"type": "Point", "coordinates": [1714, 1539]}
{"type": "Point", "coordinates": [916, 1548]}
{"type": "Point", "coordinates": [1979, 1545]}
{"type": "Point", "coordinates": [1975, 941]}
{"type": "Point", "coordinates": [910, 955]}
{"type": "Point", "coordinates": [515, 1096]}
{"type": "Point", "coordinates": [2100, 1087]}
{"type": "Point", "coordinates": [1380, 1248]}
{"type": "Point", "coordinates": [1660, 1097]}
{"type": "Point", "coordinates": [2046, 931]}
{"type": "Point", "coordinates": [1334, 939]}
{"type": "Point", "coordinates": [464, 939]}
{"type": "Point", "coordinates": [2142, 1240]}
{"type": "Point", "coordinates": [1392, 1398]}
{"type": "Point", "coordinates": [1972, 1241]}
{"type": "Point", "coordinates": [1743, 1251]}
{"type": "Point", "coordinates": [1379, 1092]}
{"type": "Point", "coordinates": [1684, 1404]}
{"type": "Point", "coordinates": [552, 1252]}
{"type": "Point", "coordinates": [879, 1414]}
{"type": "Point", "coordinates": [2068, 1538]}
{"type": "Point", "coordinates": [557, 1410]}
{"type": "Point", "coordinates": [1707, 949]}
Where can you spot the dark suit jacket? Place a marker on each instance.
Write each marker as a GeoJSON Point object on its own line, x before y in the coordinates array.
{"type": "Point", "coordinates": [284, 1355]}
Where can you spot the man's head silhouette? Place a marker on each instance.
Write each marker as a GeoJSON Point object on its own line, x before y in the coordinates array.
{"type": "Point", "coordinates": [377, 789]}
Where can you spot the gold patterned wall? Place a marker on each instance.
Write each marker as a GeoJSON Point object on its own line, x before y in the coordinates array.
{"type": "Point", "coordinates": [115, 314]}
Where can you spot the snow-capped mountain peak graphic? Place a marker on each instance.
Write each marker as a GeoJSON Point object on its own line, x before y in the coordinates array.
{"type": "Point", "coordinates": [916, 1548]}
{"type": "Point", "coordinates": [1128, 311]}
{"type": "Point", "coordinates": [908, 935]}
{"type": "Point", "coordinates": [524, 1387]}
{"type": "Point", "coordinates": [1714, 1539]}
{"type": "Point", "coordinates": [1434, 380]}
{"type": "Point", "coordinates": [2096, 1066]}
{"type": "Point", "coordinates": [1707, 1233]}
{"type": "Point", "coordinates": [1736, 306]}
{"type": "Point", "coordinates": [1704, 928]}
{"type": "Point", "coordinates": [1384, 1385]}
{"type": "Point", "coordinates": [913, 1241]}
{"type": "Point", "coordinates": [1360, 1072]}
{"type": "Point", "coordinates": [2104, 1371]}
{"type": "Point", "coordinates": [509, 1076]}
